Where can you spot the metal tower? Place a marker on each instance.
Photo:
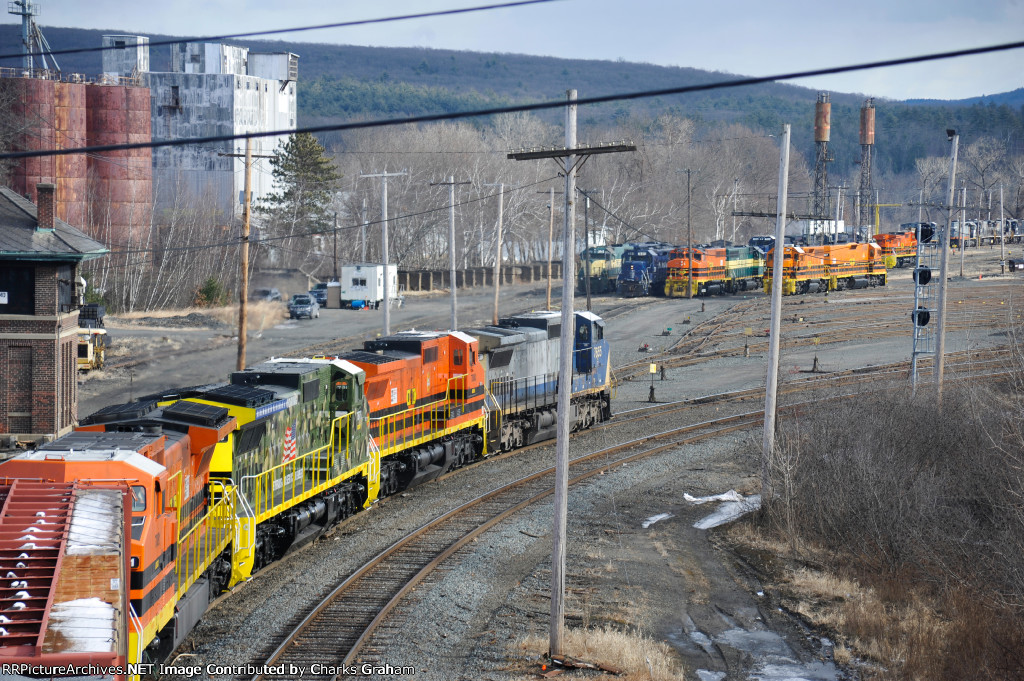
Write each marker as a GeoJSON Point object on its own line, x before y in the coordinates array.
{"type": "Point", "coordinates": [867, 143]}
{"type": "Point", "coordinates": [32, 39]}
{"type": "Point", "coordinates": [822, 157]}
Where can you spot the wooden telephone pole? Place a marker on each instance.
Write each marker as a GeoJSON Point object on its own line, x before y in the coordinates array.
{"type": "Point", "coordinates": [243, 294]}
{"type": "Point", "coordinates": [451, 244]}
{"type": "Point", "coordinates": [571, 158]}
{"type": "Point", "coordinates": [384, 241]}
{"type": "Point", "coordinates": [497, 255]}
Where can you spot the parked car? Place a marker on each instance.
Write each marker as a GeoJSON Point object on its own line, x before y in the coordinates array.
{"type": "Point", "coordinates": [265, 294]}
{"type": "Point", "coordinates": [303, 305]}
{"type": "Point", "coordinates": [320, 293]}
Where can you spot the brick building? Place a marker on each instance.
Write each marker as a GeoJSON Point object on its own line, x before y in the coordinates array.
{"type": "Point", "coordinates": [39, 259]}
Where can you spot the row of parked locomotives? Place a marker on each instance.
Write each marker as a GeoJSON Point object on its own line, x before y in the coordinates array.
{"type": "Point", "coordinates": [115, 537]}
{"type": "Point", "coordinates": [813, 269]}
{"type": "Point", "coordinates": [644, 270]}
{"type": "Point", "coordinates": [711, 271]}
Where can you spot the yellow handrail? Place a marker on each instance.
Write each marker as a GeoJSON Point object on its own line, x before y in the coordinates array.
{"type": "Point", "coordinates": [198, 547]}
{"type": "Point", "coordinates": [393, 430]}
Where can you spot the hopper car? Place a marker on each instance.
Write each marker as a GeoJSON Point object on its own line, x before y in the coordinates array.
{"type": "Point", "coordinates": [115, 538]}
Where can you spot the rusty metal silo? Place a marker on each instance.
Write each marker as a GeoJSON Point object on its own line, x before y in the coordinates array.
{"type": "Point", "coordinates": [70, 170]}
{"type": "Point", "coordinates": [822, 118]}
{"type": "Point", "coordinates": [867, 123]}
{"type": "Point", "coordinates": [33, 100]}
{"type": "Point", "coordinates": [120, 182]}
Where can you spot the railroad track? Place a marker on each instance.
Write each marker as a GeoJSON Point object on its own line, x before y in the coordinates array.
{"type": "Point", "coordinates": [334, 633]}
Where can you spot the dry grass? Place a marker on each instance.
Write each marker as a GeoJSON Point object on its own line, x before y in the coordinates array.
{"type": "Point", "coordinates": [259, 315]}
{"type": "Point", "coordinates": [639, 658]}
{"type": "Point", "coordinates": [902, 628]}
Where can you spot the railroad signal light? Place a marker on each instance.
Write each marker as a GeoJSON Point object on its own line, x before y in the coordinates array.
{"type": "Point", "coordinates": [921, 316]}
{"type": "Point", "coordinates": [927, 232]}
{"type": "Point", "coordinates": [922, 275]}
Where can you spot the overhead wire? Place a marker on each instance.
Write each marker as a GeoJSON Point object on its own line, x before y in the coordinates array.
{"type": "Point", "coordinates": [535, 106]}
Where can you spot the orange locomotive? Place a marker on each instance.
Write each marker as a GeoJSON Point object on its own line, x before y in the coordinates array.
{"type": "Point", "coordinates": [112, 504]}
{"type": "Point", "coordinates": [810, 269]}
{"type": "Point", "coordinates": [426, 403]}
{"type": "Point", "coordinates": [899, 249]}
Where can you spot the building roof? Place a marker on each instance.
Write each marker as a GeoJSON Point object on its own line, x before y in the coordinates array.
{"type": "Point", "coordinates": [19, 238]}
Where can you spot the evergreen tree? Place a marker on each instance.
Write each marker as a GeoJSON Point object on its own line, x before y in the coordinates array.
{"type": "Point", "coordinates": [306, 180]}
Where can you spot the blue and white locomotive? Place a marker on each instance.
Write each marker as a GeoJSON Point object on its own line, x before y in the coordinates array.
{"type": "Point", "coordinates": [521, 359]}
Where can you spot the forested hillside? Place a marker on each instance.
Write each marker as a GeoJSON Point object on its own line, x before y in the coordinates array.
{"type": "Point", "coordinates": [346, 82]}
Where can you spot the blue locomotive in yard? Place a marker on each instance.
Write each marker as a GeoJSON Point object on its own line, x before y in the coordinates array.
{"type": "Point", "coordinates": [644, 270]}
{"type": "Point", "coordinates": [188, 491]}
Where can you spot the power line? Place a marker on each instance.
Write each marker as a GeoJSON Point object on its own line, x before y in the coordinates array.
{"type": "Point", "coordinates": [537, 106]}
{"type": "Point", "coordinates": [296, 29]}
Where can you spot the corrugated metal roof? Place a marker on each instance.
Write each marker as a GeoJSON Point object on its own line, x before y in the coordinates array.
{"type": "Point", "coordinates": [19, 238]}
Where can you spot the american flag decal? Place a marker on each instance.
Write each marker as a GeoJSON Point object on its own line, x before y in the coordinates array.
{"type": "Point", "coordinates": [290, 449]}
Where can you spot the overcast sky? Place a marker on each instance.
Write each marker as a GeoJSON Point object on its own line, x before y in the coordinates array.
{"type": "Point", "coordinates": [747, 37]}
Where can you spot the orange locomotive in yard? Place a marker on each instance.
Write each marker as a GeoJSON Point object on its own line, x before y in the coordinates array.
{"type": "Point", "coordinates": [899, 249]}
{"type": "Point", "coordinates": [810, 269]}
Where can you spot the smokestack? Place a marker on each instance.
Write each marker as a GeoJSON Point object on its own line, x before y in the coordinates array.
{"type": "Point", "coordinates": [44, 206]}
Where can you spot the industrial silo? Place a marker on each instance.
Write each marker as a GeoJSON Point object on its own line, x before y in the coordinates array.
{"type": "Point", "coordinates": [70, 170]}
{"type": "Point", "coordinates": [33, 103]}
{"type": "Point", "coordinates": [120, 182]}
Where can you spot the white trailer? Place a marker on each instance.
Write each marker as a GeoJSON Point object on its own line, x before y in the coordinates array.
{"type": "Point", "coordinates": [363, 284]}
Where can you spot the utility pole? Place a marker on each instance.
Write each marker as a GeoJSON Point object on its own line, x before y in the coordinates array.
{"type": "Point", "coordinates": [570, 159]}
{"type": "Point", "coordinates": [384, 241]}
{"type": "Point", "coordinates": [735, 190]}
{"type": "Point", "coordinates": [689, 240]}
{"type": "Point", "coordinates": [363, 253]}
{"type": "Point", "coordinates": [963, 218]}
{"type": "Point", "coordinates": [586, 242]}
{"type": "Point", "coordinates": [772, 382]}
{"type": "Point", "coordinates": [1002, 233]}
{"type": "Point", "coordinates": [940, 343]}
{"type": "Point", "coordinates": [451, 243]}
{"type": "Point", "coordinates": [551, 239]}
{"type": "Point", "coordinates": [243, 295]}
{"type": "Point", "coordinates": [561, 510]}
{"type": "Point", "coordinates": [335, 246]}
{"type": "Point", "coordinates": [497, 247]}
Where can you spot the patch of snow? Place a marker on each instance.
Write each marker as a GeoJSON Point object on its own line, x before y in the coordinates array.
{"type": "Point", "coordinates": [655, 518]}
{"type": "Point", "coordinates": [731, 495]}
{"type": "Point", "coordinates": [705, 675]}
{"type": "Point", "coordinates": [729, 511]}
{"type": "Point", "coordinates": [96, 523]}
{"type": "Point", "coordinates": [86, 623]}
